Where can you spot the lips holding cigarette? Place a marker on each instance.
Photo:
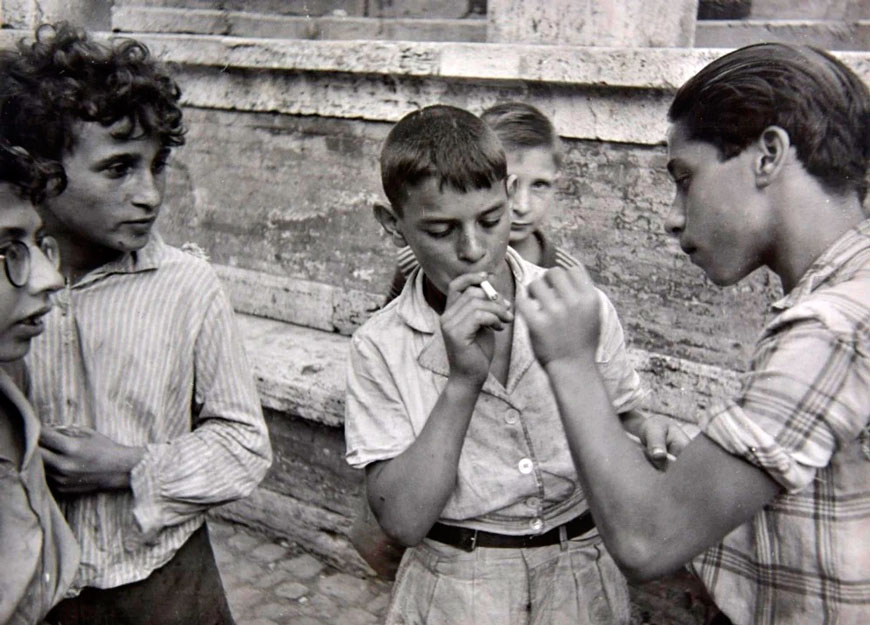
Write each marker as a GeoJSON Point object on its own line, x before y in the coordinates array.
{"type": "Point", "coordinates": [488, 290]}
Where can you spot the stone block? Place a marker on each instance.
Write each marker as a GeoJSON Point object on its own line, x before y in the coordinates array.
{"type": "Point", "coordinates": [303, 566]}
{"type": "Point", "coordinates": [269, 552]}
{"type": "Point", "coordinates": [292, 590]}
{"type": "Point", "coordinates": [344, 588]}
{"type": "Point", "coordinates": [612, 23]}
{"type": "Point", "coordinates": [827, 34]}
{"type": "Point", "coordinates": [169, 20]}
{"type": "Point", "coordinates": [430, 9]}
{"type": "Point", "coordinates": [811, 9]}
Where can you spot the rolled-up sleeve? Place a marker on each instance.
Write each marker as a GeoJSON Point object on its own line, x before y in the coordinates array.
{"type": "Point", "coordinates": [806, 396]}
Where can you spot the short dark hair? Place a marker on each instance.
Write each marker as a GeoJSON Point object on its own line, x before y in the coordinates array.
{"type": "Point", "coordinates": [442, 142]}
{"type": "Point", "coordinates": [32, 178]}
{"type": "Point", "coordinates": [63, 77]}
{"type": "Point", "coordinates": [520, 126]}
{"type": "Point", "coordinates": [821, 103]}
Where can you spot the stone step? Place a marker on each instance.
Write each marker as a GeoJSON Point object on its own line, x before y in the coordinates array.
{"type": "Point", "coordinates": [301, 371]}
{"type": "Point", "coordinates": [249, 24]}
{"type": "Point", "coordinates": [829, 34]}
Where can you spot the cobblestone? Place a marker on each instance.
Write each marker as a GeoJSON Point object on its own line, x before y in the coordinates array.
{"type": "Point", "coordinates": [271, 582]}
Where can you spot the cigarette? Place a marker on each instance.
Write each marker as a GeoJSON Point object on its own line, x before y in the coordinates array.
{"type": "Point", "coordinates": [490, 292]}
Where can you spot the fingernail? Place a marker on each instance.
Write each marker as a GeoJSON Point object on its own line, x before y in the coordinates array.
{"type": "Point", "coordinates": [658, 452]}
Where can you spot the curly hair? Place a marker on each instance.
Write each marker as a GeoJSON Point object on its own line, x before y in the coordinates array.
{"type": "Point", "coordinates": [63, 77]}
{"type": "Point", "coordinates": [34, 179]}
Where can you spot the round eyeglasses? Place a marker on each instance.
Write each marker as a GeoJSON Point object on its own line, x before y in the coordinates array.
{"type": "Point", "coordinates": [16, 258]}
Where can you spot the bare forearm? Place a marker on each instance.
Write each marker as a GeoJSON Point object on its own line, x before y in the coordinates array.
{"type": "Point", "coordinates": [652, 522]}
{"type": "Point", "coordinates": [615, 475]}
{"type": "Point", "coordinates": [409, 492]}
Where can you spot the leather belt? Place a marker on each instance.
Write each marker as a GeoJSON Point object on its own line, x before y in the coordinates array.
{"type": "Point", "coordinates": [468, 539]}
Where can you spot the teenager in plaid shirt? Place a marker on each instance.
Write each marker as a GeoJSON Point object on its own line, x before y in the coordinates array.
{"type": "Point", "coordinates": [769, 150]}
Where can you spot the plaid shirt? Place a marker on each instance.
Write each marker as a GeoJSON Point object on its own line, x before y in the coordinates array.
{"type": "Point", "coordinates": [802, 416]}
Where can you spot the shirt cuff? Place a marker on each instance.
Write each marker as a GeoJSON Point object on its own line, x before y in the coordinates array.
{"type": "Point", "coordinates": [146, 506]}
{"type": "Point", "coordinates": [737, 433]}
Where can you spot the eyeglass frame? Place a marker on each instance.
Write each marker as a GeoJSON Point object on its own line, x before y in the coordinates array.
{"type": "Point", "coordinates": [51, 253]}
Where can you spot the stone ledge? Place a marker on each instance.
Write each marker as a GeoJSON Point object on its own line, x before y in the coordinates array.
{"type": "Point", "coordinates": [301, 371]}
{"type": "Point", "coordinates": [247, 24]}
{"type": "Point", "coordinates": [608, 94]}
{"type": "Point", "coordinates": [831, 35]}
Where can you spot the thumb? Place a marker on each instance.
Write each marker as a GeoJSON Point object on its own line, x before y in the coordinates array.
{"type": "Point", "coordinates": [655, 442]}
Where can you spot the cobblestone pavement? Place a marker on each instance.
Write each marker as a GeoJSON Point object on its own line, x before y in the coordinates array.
{"type": "Point", "coordinates": [271, 582]}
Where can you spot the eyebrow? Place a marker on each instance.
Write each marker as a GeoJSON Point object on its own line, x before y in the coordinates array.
{"type": "Point", "coordinates": [12, 233]}
{"type": "Point", "coordinates": [106, 160]}
{"type": "Point", "coordinates": [446, 220]}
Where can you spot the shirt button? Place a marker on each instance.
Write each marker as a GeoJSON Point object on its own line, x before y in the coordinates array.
{"type": "Point", "coordinates": [525, 466]}
{"type": "Point", "coordinates": [47, 578]}
{"type": "Point", "coordinates": [511, 416]}
{"type": "Point", "coordinates": [536, 524]}
{"type": "Point", "coordinates": [533, 502]}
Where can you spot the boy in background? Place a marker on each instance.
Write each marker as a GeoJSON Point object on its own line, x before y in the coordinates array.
{"type": "Point", "coordinates": [38, 552]}
{"type": "Point", "coordinates": [534, 161]}
{"type": "Point", "coordinates": [141, 372]}
{"type": "Point", "coordinates": [454, 422]}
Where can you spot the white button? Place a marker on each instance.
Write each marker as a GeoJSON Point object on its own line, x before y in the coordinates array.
{"type": "Point", "coordinates": [511, 416]}
{"type": "Point", "coordinates": [533, 502]}
{"type": "Point", "coordinates": [525, 466]}
{"type": "Point", "coordinates": [536, 524]}
{"type": "Point", "coordinates": [47, 578]}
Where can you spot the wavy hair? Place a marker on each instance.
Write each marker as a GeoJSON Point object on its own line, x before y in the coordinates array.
{"type": "Point", "coordinates": [63, 77]}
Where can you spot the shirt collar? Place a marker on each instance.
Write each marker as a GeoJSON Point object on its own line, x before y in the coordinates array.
{"type": "Point", "coordinates": [416, 312]}
{"type": "Point", "coordinates": [828, 264]}
{"type": "Point", "coordinates": [147, 258]}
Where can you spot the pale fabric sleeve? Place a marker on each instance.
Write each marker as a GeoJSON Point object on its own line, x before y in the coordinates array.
{"type": "Point", "coordinates": [623, 384]}
{"type": "Point", "coordinates": [227, 452]}
{"type": "Point", "coordinates": [377, 425]}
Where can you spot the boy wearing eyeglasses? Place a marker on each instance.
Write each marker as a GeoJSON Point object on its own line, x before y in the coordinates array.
{"type": "Point", "coordinates": [141, 363]}
{"type": "Point", "coordinates": [38, 552]}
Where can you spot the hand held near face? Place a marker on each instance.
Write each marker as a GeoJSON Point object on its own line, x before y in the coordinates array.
{"type": "Point", "coordinates": [562, 312]}
{"type": "Point", "coordinates": [468, 324]}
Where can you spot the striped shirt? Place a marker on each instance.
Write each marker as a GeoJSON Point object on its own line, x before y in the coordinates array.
{"type": "Point", "coordinates": [145, 351]}
{"type": "Point", "coordinates": [803, 416]}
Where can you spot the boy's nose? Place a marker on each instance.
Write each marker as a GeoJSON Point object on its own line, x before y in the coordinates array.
{"type": "Point", "coordinates": [44, 276]}
{"type": "Point", "coordinates": [675, 221]}
{"type": "Point", "coordinates": [470, 248]}
{"type": "Point", "coordinates": [521, 201]}
{"type": "Point", "coordinates": [149, 192]}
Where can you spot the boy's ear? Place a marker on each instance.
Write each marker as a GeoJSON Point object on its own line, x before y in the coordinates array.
{"type": "Point", "coordinates": [510, 184]}
{"type": "Point", "coordinates": [773, 152]}
{"type": "Point", "coordinates": [386, 216]}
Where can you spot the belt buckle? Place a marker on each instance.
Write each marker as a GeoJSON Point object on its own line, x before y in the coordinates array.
{"type": "Point", "coordinates": [470, 543]}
